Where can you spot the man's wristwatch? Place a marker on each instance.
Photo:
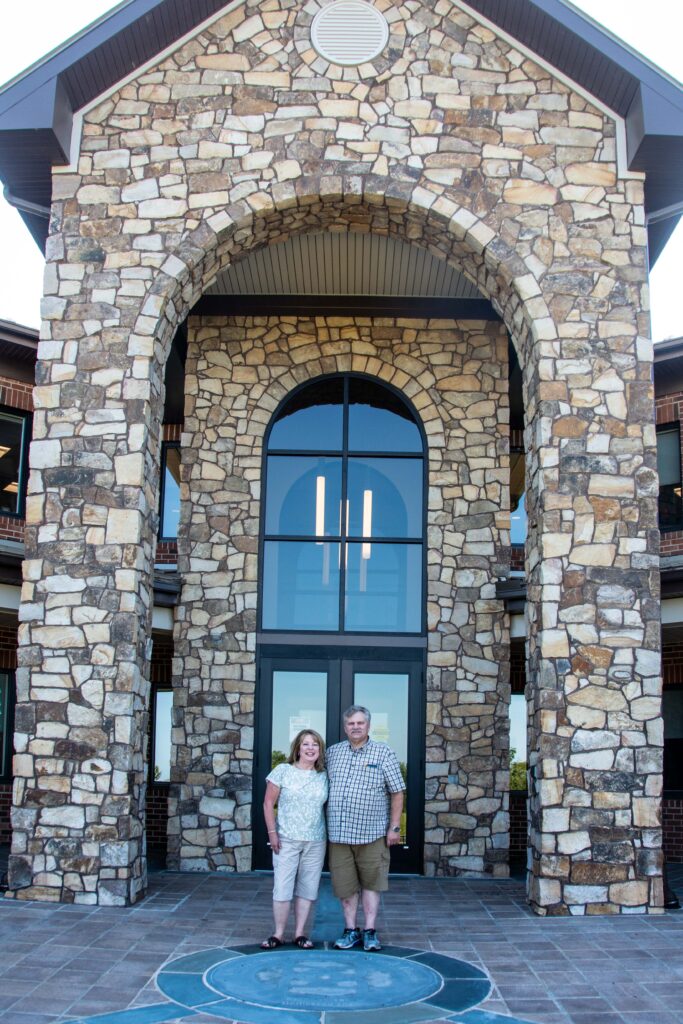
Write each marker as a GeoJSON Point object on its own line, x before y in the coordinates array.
{"type": "Point", "coordinates": [395, 828]}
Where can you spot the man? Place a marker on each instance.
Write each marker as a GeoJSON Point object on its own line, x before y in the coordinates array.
{"type": "Point", "coordinates": [363, 821]}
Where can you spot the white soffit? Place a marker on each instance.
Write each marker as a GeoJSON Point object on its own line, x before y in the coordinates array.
{"type": "Point", "coordinates": [343, 263]}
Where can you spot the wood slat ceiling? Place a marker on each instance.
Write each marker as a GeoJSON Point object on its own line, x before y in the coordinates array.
{"type": "Point", "coordinates": [343, 264]}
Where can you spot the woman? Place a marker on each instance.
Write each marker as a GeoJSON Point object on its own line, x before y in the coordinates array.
{"type": "Point", "coordinates": [299, 788]}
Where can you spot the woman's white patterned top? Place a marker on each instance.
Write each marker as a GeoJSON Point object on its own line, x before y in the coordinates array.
{"type": "Point", "coordinates": [300, 803]}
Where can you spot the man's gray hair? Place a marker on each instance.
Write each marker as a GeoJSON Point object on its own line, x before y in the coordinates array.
{"type": "Point", "coordinates": [356, 709]}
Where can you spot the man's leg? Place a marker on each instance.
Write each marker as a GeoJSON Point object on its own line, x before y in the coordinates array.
{"type": "Point", "coordinates": [370, 901]}
{"type": "Point", "coordinates": [346, 886]}
{"type": "Point", "coordinates": [350, 909]}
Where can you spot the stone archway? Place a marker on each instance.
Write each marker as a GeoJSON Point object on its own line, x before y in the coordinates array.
{"type": "Point", "coordinates": [552, 236]}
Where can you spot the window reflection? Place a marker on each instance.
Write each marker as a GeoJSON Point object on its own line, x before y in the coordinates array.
{"type": "Point", "coordinates": [170, 492]}
{"type": "Point", "coordinates": [383, 588]}
{"type": "Point", "coordinates": [518, 517]}
{"type": "Point", "coordinates": [378, 499]}
{"type": "Point", "coordinates": [304, 496]}
{"type": "Point", "coordinates": [385, 497]}
{"type": "Point", "coordinates": [301, 585]}
{"type": "Point", "coordinates": [518, 741]}
{"type": "Point", "coordinates": [379, 421]}
{"type": "Point", "coordinates": [163, 708]}
{"type": "Point", "coordinates": [312, 420]}
{"type": "Point", "coordinates": [13, 438]}
{"type": "Point", "coordinates": [669, 470]}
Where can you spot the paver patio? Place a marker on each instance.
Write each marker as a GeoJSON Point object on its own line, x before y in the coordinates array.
{"type": "Point", "coordinates": [66, 963]}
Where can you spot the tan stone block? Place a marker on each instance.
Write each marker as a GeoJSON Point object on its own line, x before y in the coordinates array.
{"type": "Point", "coordinates": [602, 697]}
{"type": "Point", "coordinates": [524, 192]}
{"type": "Point", "coordinates": [630, 894]}
{"type": "Point", "coordinates": [646, 812]}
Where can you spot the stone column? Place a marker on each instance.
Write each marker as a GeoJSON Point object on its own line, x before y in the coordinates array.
{"type": "Point", "coordinates": [82, 682]}
{"type": "Point", "coordinates": [594, 665]}
{"type": "Point", "coordinates": [468, 685]}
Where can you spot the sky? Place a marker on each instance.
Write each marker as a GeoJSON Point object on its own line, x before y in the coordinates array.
{"type": "Point", "coordinates": [34, 27]}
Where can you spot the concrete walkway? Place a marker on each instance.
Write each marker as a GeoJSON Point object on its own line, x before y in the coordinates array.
{"type": "Point", "coordinates": [63, 963]}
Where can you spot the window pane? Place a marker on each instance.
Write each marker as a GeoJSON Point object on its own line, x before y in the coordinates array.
{"type": "Point", "coordinates": [11, 443]}
{"type": "Point", "coordinates": [170, 512]}
{"type": "Point", "coordinates": [163, 705]}
{"type": "Point", "coordinates": [299, 702]}
{"type": "Point", "coordinates": [300, 585]}
{"type": "Point", "coordinates": [379, 421]}
{"type": "Point", "coordinates": [385, 497]}
{"type": "Point", "coordinates": [518, 741]}
{"type": "Point", "coordinates": [312, 420]}
{"type": "Point", "coordinates": [303, 496]}
{"type": "Point", "coordinates": [672, 713]}
{"type": "Point", "coordinates": [383, 588]}
{"type": "Point", "coordinates": [518, 522]}
{"type": "Point", "coordinates": [668, 457]}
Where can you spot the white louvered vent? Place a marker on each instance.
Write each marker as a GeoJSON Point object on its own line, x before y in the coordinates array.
{"type": "Point", "coordinates": [349, 32]}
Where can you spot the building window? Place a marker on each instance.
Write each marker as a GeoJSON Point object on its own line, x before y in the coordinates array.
{"type": "Point", "coordinates": [518, 520]}
{"type": "Point", "coordinates": [161, 734]}
{"type": "Point", "coordinates": [672, 713]}
{"type": "Point", "coordinates": [343, 546]}
{"type": "Point", "coordinates": [169, 515]}
{"type": "Point", "coordinates": [15, 435]}
{"type": "Point", "coordinates": [518, 741]}
{"type": "Point", "coordinates": [669, 469]}
{"type": "Point", "coordinates": [6, 724]}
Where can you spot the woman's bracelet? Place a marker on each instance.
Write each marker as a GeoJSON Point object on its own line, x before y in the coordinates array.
{"type": "Point", "coordinates": [272, 831]}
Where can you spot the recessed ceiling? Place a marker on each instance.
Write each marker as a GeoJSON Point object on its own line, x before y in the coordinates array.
{"type": "Point", "coordinates": [343, 263]}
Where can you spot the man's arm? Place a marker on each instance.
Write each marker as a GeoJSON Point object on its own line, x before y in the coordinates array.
{"type": "Point", "coordinates": [395, 812]}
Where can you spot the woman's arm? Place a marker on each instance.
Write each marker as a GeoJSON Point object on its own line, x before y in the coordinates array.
{"type": "Point", "coordinates": [272, 793]}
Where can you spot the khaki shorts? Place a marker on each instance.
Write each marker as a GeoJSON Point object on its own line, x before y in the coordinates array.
{"type": "Point", "coordinates": [365, 866]}
{"type": "Point", "coordinates": [296, 869]}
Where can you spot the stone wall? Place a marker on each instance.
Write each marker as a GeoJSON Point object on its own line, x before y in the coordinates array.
{"type": "Point", "coordinates": [454, 140]}
{"type": "Point", "coordinates": [238, 370]}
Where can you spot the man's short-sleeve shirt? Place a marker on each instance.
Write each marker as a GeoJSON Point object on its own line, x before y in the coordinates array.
{"type": "Point", "coordinates": [361, 782]}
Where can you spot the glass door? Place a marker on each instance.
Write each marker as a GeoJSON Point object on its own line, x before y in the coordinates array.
{"type": "Point", "coordinates": [311, 692]}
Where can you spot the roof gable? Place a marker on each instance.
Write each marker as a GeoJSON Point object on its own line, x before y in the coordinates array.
{"type": "Point", "coordinates": [37, 108]}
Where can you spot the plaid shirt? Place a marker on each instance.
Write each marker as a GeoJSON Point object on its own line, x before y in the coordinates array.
{"type": "Point", "coordinates": [361, 782]}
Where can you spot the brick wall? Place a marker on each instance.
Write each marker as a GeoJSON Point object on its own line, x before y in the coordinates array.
{"type": "Point", "coordinates": [672, 817]}
{"type": "Point", "coordinates": [518, 842]}
{"type": "Point", "coordinates": [16, 394]}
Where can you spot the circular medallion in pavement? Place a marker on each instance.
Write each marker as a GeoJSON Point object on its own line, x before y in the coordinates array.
{"type": "Point", "coordinates": [324, 980]}
{"type": "Point", "coordinates": [292, 986]}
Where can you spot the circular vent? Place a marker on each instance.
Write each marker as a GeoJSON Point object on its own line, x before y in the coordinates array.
{"type": "Point", "coordinates": [349, 32]}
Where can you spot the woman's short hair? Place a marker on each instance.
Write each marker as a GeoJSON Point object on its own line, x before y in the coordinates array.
{"type": "Point", "coordinates": [295, 748]}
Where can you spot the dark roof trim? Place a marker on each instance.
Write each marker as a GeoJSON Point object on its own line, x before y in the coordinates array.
{"type": "Point", "coordinates": [345, 305]}
{"type": "Point", "coordinates": [36, 108]}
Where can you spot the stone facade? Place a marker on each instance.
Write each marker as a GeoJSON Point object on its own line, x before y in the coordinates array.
{"type": "Point", "coordinates": [455, 375]}
{"type": "Point", "coordinates": [456, 141]}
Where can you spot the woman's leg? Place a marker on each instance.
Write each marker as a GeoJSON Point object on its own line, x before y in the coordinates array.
{"type": "Point", "coordinates": [302, 909]}
{"type": "Point", "coordinates": [280, 915]}
{"type": "Point", "coordinates": [307, 882]}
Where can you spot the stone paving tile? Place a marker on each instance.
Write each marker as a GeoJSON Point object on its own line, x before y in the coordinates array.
{"type": "Point", "coordinates": [58, 961]}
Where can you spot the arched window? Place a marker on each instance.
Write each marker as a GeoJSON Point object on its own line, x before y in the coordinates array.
{"type": "Point", "coordinates": [343, 523]}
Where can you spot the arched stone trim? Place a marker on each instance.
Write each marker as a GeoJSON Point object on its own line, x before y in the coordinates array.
{"type": "Point", "coordinates": [525, 197]}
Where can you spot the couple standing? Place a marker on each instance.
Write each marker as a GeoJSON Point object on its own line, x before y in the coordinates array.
{"type": "Point", "coordinates": [363, 787]}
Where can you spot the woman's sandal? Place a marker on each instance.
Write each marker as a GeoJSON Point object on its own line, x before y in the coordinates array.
{"type": "Point", "coordinates": [272, 942]}
{"type": "Point", "coordinates": [303, 942]}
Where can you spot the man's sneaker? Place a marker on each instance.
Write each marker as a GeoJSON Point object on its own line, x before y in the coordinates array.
{"type": "Point", "coordinates": [371, 943]}
{"type": "Point", "coordinates": [349, 939]}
